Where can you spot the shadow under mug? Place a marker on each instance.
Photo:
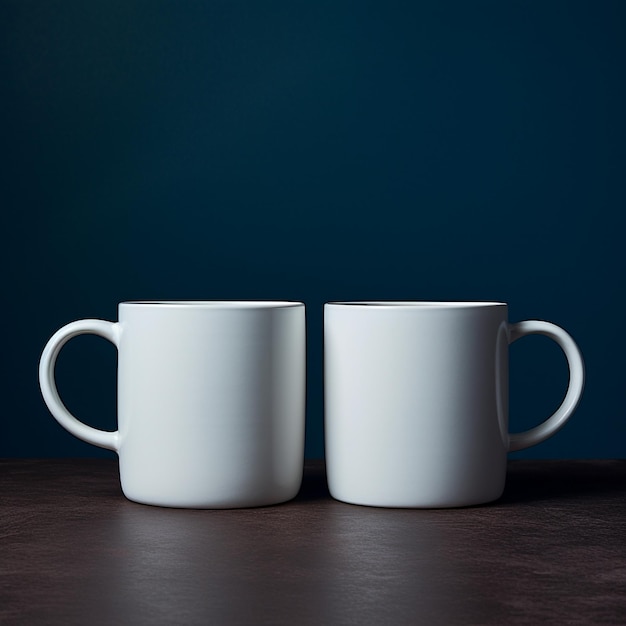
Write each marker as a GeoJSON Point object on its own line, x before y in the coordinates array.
{"type": "Point", "coordinates": [211, 400]}
{"type": "Point", "coordinates": [416, 400]}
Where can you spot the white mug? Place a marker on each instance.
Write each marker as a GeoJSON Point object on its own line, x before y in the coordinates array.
{"type": "Point", "coordinates": [416, 401]}
{"type": "Point", "coordinates": [211, 400]}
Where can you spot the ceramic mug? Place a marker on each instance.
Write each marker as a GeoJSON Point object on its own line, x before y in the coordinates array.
{"type": "Point", "coordinates": [211, 400]}
{"type": "Point", "coordinates": [416, 400]}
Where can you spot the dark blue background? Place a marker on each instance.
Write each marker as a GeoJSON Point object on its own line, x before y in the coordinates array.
{"type": "Point", "coordinates": [313, 151]}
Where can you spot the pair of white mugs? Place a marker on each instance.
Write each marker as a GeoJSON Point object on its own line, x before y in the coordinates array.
{"type": "Point", "coordinates": [211, 400]}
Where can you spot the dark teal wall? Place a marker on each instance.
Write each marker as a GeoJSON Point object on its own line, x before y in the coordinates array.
{"type": "Point", "coordinates": [313, 151]}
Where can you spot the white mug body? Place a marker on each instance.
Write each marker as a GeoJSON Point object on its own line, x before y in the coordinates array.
{"type": "Point", "coordinates": [211, 402]}
{"type": "Point", "coordinates": [416, 399]}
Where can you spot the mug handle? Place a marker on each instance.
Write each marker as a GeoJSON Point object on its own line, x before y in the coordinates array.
{"type": "Point", "coordinates": [102, 328]}
{"type": "Point", "coordinates": [533, 436]}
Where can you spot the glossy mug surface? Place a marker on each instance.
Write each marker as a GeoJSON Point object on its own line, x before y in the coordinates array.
{"type": "Point", "coordinates": [210, 400]}
{"type": "Point", "coordinates": [416, 401]}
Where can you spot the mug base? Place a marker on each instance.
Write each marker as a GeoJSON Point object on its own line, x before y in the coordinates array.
{"type": "Point", "coordinates": [245, 503]}
{"type": "Point", "coordinates": [438, 503]}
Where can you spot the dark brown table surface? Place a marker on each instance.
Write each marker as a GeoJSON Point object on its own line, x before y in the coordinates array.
{"type": "Point", "coordinates": [73, 550]}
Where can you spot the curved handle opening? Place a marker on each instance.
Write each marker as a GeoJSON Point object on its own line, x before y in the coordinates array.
{"type": "Point", "coordinates": [47, 383]}
{"type": "Point", "coordinates": [533, 436]}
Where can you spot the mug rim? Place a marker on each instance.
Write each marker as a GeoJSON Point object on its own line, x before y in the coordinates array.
{"type": "Point", "coordinates": [215, 304]}
{"type": "Point", "coordinates": [417, 304]}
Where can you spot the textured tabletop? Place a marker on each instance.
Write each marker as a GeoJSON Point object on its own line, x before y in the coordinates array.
{"type": "Point", "coordinates": [73, 550]}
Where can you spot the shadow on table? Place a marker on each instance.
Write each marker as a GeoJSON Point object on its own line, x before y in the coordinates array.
{"type": "Point", "coordinates": [314, 486]}
{"type": "Point", "coordinates": [529, 481]}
